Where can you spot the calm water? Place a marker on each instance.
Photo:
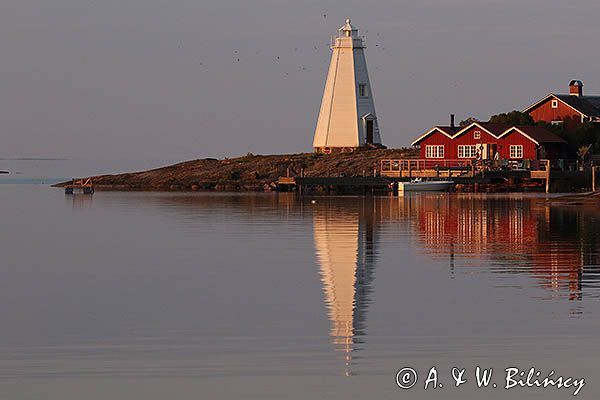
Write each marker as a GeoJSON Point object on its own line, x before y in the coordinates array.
{"type": "Point", "coordinates": [229, 296]}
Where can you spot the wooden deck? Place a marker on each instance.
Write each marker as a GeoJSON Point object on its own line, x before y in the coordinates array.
{"type": "Point", "coordinates": [84, 186]}
{"type": "Point", "coordinates": [286, 180]}
{"type": "Point", "coordinates": [426, 168]}
{"type": "Point", "coordinates": [394, 171]}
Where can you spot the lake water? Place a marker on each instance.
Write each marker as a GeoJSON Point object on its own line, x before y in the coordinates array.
{"type": "Point", "coordinates": [267, 296]}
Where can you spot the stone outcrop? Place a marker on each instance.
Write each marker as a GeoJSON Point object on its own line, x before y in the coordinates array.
{"type": "Point", "coordinates": [248, 173]}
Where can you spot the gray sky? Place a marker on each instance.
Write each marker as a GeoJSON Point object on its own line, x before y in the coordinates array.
{"type": "Point", "coordinates": [148, 79]}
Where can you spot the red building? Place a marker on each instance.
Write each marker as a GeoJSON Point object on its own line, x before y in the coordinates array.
{"type": "Point", "coordinates": [483, 140]}
{"type": "Point", "coordinates": [556, 108]}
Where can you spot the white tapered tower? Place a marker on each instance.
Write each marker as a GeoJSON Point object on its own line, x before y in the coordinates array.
{"type": "Point", "coordinates": [347, 118]}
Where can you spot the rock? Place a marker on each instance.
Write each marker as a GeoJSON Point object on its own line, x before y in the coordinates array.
{"type": "Point", "coordinates": [250, 173]}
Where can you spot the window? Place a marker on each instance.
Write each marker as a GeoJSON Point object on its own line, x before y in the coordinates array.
{"type": "Point", "coordinates": [434, 151]}
{"type": "Point", "coordinates": [554, 103]}
{"type": "Point", "coordinates": [477, 135]}
{"type": "Point", "coordinates": [362, 90]}
{"type": "Point", "coordinates": [516, 151]}
{"type": "Point", "coordinates": [467, 151]}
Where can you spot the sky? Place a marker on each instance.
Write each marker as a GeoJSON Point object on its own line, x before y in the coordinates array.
{"type": "Point", "coordinates": [185, 79]}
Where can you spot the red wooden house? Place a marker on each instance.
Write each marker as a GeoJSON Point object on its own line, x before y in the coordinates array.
{"type": "Point", "coordinates": [483, 140]}
{"type": "Point", "coordinates": [556, 108]}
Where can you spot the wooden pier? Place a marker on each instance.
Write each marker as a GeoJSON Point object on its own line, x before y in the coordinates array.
{"type": "Point", "coordinates": [81, 186]}
{"type": "Point", "coordinates": [392, 172]}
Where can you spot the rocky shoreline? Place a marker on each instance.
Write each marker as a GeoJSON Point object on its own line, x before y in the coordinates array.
{"type": "Point", "coordinates": [255, 173]}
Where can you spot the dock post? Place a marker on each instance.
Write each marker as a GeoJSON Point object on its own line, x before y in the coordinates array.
{"type": "Point", "coordinates": [548, 176]}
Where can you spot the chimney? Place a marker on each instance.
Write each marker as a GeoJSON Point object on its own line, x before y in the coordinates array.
{"type": "Point", "coordinates": [576, 88]}
{"type": "Point", "coordinates": [452, 120]}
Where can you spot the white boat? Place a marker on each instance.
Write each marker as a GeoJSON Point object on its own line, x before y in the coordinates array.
{"type": "Point", "coordinates": [417, 185]}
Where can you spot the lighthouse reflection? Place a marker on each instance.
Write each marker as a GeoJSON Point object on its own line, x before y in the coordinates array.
{"type": "Point", "coordinates": [345, 242]}
{"type": "Point", "coordinates": [555, 248]}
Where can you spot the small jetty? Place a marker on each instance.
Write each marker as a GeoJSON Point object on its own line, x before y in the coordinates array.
{"type": "Point", "coordinates": [80, 186]}
{"type": "Point", "coordinates": [456, 176]}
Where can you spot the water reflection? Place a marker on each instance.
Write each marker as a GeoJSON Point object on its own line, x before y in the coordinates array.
{"type": "Point", "coordinates": [555, 245]}
{"type": "Point", "coordinates": [346, 253]}
{"type": "Point", "coordinates": [79, 201]}
{"type": "Point", "coordinates": [512, 236]}
{"type": "Point", "coordinates": [217, 251]}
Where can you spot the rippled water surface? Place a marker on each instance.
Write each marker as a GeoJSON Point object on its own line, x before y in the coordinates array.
{"type": "Point", "coordinates": [266, 296]}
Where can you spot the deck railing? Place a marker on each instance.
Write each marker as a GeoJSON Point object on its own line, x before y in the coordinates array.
{"type": "Point", "coordinates": [394, 167]}
{"type": "Point", "coordinates": [416, 164]}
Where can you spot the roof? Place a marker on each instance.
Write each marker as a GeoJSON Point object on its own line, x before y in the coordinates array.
{"type": "Point", "coordinates": [454, 131]}
{"type": "Point", "coordinates": [576, 82]}
{"type": "Point", "coordinates": [449, 131]}
{"type": "Point", "coordinates": [537, 134]}
{"type": "Point", "coordinates": [589, 106]}
{"type": "Point", "coordinates": [347, 26]}
{"type": "Point", "coordinates": [494, 129]}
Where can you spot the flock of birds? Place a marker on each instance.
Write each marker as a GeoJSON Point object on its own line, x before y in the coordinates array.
{"type": "Point", "coordinates": [290, 63]}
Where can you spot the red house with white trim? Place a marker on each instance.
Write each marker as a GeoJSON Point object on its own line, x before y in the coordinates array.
{"type": "Point", "coordinates": [483, 140]}
{"type": "Point", "coordinates": [556, 108]}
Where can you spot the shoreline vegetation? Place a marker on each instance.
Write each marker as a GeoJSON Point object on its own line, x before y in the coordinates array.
{"type": "Point", "coordinates": [257, 173]}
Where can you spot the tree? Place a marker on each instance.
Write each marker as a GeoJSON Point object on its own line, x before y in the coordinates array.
{"type": "Point", "coordinates": [468, 121]}
{"type": "Point", "coordinates": [512, 118]}
{"type": "Point", "coordinates": [577, 134]}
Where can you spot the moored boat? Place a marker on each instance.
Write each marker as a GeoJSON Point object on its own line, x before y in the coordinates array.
{"type": "Point", "coordinates": [418, 185]}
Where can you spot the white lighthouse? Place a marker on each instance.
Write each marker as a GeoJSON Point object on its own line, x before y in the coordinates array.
{"type": "Point", "coordinates": [347, 118]}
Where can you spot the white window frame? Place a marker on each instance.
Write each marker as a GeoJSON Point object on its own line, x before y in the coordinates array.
{"type": "Point", "coordinates": [477, 135]}
{"type": "Point", "coordinates": [362, 90]}
{"type": "Point", "coordinates": [554, 103]}
{"type": "Point", "coordinates": [467, 151]}
{"type": "Point", "coordinates": [434, 151]}
{"type": "Point", "coordinates": [516, 151]}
